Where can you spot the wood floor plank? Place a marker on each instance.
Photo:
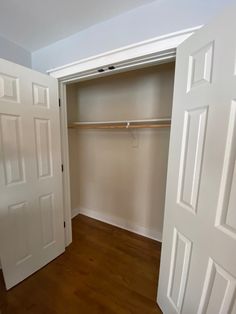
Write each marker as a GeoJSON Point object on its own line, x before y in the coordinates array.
{"type": "Point", "coordinates": [105, 270]}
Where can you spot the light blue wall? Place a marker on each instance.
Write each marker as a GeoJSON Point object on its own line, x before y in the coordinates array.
{"type": "Point", "coordinates": [155, 19]}
{"type": "Point", "coordinates": [14, 53]}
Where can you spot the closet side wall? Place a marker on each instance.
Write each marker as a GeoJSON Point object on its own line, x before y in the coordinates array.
{"type": "Point", "coordinates": [119, 176]}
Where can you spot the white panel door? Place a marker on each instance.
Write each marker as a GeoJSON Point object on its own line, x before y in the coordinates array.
{"type": "Point", "coordinates": [198, 263]}
{"type": "Point", "coordinates": [31, 212]}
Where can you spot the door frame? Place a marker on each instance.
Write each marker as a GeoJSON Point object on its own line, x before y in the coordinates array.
{"type": "Point", "coordinates": [154, 51]}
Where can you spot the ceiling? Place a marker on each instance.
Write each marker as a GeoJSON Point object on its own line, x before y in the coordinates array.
{"type": "Point", "coordinates": [36, 24]}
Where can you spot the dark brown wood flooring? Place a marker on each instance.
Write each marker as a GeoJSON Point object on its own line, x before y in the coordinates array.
{"type": "Point", "coordinates": [105, 270]}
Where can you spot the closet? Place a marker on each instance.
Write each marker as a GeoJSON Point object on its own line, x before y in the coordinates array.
{"type": "Point", "coordinates": [118, 136]}
{"type": "Point", "coordinates": [117, 125]}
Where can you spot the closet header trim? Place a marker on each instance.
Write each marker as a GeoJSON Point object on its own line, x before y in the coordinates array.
{"type": "Point", "coordinates": [155, 50]}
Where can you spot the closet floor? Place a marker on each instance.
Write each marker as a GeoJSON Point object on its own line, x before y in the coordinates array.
{"type": "Point", "coordinates": [105, 270]}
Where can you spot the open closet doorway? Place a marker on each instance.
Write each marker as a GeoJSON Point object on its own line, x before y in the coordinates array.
{"type": "Point", "coordinates": [118, 138]}
{"type": "Point", "coordinates": [118, 130]}
{"type": "Point", "coordinates": [137, 82]}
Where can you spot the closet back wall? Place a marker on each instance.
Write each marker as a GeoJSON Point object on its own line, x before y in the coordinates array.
{"type": "Point", "coordinates": [119, 176]}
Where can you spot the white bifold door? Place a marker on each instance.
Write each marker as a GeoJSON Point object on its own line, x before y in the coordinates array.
{"type": "Point", "coordinates": [31, 209]}
{"type": "Point", "coordinates": [198, 264]}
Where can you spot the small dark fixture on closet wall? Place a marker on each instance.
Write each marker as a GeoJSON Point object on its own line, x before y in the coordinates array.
{"type": "Point", "coordinates": [101, 70]}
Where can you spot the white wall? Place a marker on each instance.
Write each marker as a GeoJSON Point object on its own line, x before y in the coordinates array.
{"type": "Point", "coordinates": [145, 22]}
{"type": "Point", "coordinates": [14, 53]}
{"type": "Point", "coordinates": [115, 177]}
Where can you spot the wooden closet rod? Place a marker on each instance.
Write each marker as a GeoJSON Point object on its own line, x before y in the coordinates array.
{"type": "Point", "coordinates": [131, 124]}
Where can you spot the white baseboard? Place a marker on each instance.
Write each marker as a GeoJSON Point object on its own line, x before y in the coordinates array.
{"type": "Point", "coordinates": [75, 212]}
{"type": "Point", "coordinates": [118, 222]}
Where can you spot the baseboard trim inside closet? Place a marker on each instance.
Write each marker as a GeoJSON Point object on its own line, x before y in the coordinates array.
{"type": "Point", "coordinates": [118, 222]}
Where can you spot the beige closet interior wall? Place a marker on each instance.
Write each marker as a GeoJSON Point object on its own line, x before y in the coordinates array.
{"type": "Point", "coordinates": [119, 175]}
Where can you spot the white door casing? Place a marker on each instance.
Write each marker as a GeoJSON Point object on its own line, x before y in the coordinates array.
{"type": "Point", "coordinates": [198, 263]}
{"type": "Point", "coordinates": [31, 210]}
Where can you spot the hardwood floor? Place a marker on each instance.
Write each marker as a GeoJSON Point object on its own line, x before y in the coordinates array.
{"type": "Point", "coordinates": [105, 270]}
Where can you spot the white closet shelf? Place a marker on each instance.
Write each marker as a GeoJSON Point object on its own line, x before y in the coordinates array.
{"type": "Point", "coordinates": [125, 124]}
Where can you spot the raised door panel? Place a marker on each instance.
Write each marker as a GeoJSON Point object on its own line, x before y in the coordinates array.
{"type": "Point", "coordinates": [226, 213]}
{"type": "Point", "coordinates": [43, 147]}
{"type": "Point", "coordinates": [219, 289]}
{"type": "Point", "coordinates": [194, 130]}
{"type": "Point", "coordinates": [200, 67]}
{"type": "Point", "coordinates": [19, 218]}
{"type": "Point", "coordinates": [40, 95]}
{"type": "Point", "coordinates": [9, 88]}
{"type": "Point", "coordinates": [11, 142]}
{"type": "Point", "coordinates": [179, 265]}
{"type": "Point", "coordinates": [47, 210]}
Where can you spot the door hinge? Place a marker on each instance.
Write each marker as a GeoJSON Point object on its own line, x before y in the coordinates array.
{"type": "Point", "coordinates": [62, 168]}
{"type": "Point", "coordinates": [59, 102]}
{"type": "Point", "coordinates": [64, 224]}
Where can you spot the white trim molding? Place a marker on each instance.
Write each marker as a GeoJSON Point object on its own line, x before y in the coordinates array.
{"type": "Point", "coordinates": [118, 222]}
{"type": "Point", "coordinates": [65, 162]}
{"type": "Point", "coordinates": [161, 47]}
